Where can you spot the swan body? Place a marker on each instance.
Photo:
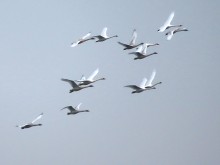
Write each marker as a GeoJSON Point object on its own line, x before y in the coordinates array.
{"type": "Point", "coordinates": [81, 40]}
{"type": "Point", "coordinates": [90, 79]}
{"type": "Point", "coordinates": [141, 56]}
{"type": "Point", "coordinates": [132, 44]}
{"type": "Point", "coordinates": [75, 110]}
{"type": "Point", "coordinates": [31, 124]}
{"type": "Point", "coordinates": [103, 36]}
{"type": "Point", "coordinates": [74, 86]}
{"type": "Point", "coordinates": [172, 32]}
{"type": "Point", "coordinates": [168, 24]}
{"type": "Point", "coordinates": [144, 85]}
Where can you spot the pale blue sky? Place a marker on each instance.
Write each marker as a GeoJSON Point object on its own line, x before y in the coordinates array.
{"type": "Point", "coordinates": [178, 123]}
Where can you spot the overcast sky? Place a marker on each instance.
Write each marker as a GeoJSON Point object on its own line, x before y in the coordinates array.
{"type": "Point", "coordinates": [178, 123]}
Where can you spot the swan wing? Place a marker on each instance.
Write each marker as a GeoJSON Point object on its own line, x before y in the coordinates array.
{"type": "Point", "coordinates": [143, 83]}
{"type": "Point", "coordinates": [167, 23]}
{"type": "Point", "coordinates": [169, 35]}
{"type": "Point", "coordinates": [133, 38]}
{"type": "Point", "coordinates": [170, 18]}
{"type": "Point", "coordinates": [74, 44]}
{"type": "Point", "coordinates": [104, 32]}
{"type": "Point", "coordinates": [72, 83]}
{"type": "Point", "coordinates": [37, 118]}
{"type": "Point", "coordinates": [149, 83]}
{"type": "Point", "coordinates": [83, 78]}
{"type": "Point", "coordinates": [125, 45]}
{"type": "Point", "coordinates": [144, 49]}
{"type": "Point", "coordinates": [69, 108]}
{"type": "Point", "coordinates": [91, 77]}
{"type": "Point", "coordinates": [135, 87]}
{"type": "Point", "coordinates": [87, 35]}
{"type": "Point", "coordinates": [78, 106]}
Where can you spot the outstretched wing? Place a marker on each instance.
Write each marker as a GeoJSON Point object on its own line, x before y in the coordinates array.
{"type": "Point", "coordinates": [77, 107]}
{"type": "Point", "coordinates": [133, 38]}
{"type": "Point", "coordinates": [135, 87]}
{"type": "Point", "coordinates": [170, 18]}
{"type": "Point", "coordinates": [72, 83]}
{"type": "Point", "coordinates": [144, 49]}
{"type": "Point", "coordinates": [87, 35]}
{"type": "Point", "coordinates": [104, 32]}
{"type": "Point", "coordinates": [143, 83]}
{"type": "Point", "coordinates": [125, 45]}
{"type": "Point", "coordinates": [37, 118]}
{"type": "Point", "coordinates": [69, 108]}
{"type": "Point", "coordinates": [149, 83]}
{"type": "Point", "coordinates": [91, 77]}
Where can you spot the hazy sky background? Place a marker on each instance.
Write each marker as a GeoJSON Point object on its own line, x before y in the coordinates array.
{"type": "Point", "coordinates": [178, 123]}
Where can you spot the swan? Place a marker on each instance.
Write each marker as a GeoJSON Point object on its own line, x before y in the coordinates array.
{"type": "Point", "coordinates": [144, 85]}
{"type": "Point", "coordinates": [75, 110]}
{"type": "Point", "coordinates": [31, 124]}
{"type": "Point", "coordinates": [141, 52]}
{"type": "Point", "coordinates": [167, 24]}
{"type": "Point", "coordinates": [132, 44]}
{"type": "Point", "coordinates": [83, 39]}
{"type": "Point", "coordinates": [74, 86]}
{"type": "Point", "coordinates": [172, 32]}
{"type": "Point", "coordinates": [90, 79]}
{"type": "Point", "coordinates": [103, 36]}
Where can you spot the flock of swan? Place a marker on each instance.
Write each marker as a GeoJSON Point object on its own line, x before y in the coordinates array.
{"type": "Point", "coordinates": [140, 53]}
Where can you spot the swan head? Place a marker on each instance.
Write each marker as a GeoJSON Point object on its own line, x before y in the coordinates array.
{"type": "Point", "coordinates": [156, 44]}
{"type": "Point", "coordinates": [69, 113]}
{"type": "Point", "coordinates": [90, 86]}
{"type": "Point", "coordinates": [154, 53]}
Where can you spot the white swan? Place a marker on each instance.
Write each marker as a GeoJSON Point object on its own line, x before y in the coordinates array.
{"type": "Point", "coordinates": [90, 79]}
{"type": "Point", "coordinates": [141, 52]}
{"type": "Point", "coordinates": [172, 32]}
{"type": "Point", "coordinates": [132, 44]}
{"type": "Point", "coordinates": [144, 85]}
{"type": "Point", "coordinates": [168, 24]}
{"type": "Point", "coordinates": [74, 86]}
{"type": "Point", "coordinates": [103, 36]}
{"type": "Point", "coordinates": [31, 124]}
{"type": "Point", "coordinates": [75, 110]}
{"type": "Point", "coordinates": [83, 39]}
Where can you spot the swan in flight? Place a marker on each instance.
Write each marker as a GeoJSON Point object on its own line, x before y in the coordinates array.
{"type": "Point", "coordinates": [141, 52]}
{"type": "Point", "coordinates": [168, 24]}
{"type": "Point", "coordinates": [144, 85]}
{"type": "Point", "coordinates": [103, 36]}
{"type": "Point", "coordinates": [74, 86]}
{"type": "Point", "coordinates": [132, 44]}
{"type": "Point", "coordinates": [172, 32]}
{"type": "Point", "coordinates": [75, 110]}
{"type": "Point", "coordinates": [31, 124]}
{"type": "Point", "coordinates": [90, 79]}
{"type": "Point", "coordinates": [83, 39]}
